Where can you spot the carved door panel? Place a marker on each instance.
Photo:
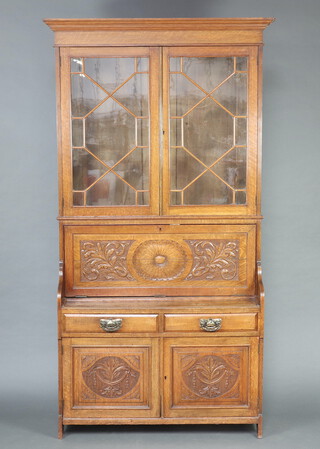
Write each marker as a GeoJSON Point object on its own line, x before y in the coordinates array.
{"type": "Point", "coordinates": [114, 378]}
{"type": "Point", "coordinates": [165, 260]}
{"type": "Point", "coordinates": [210, 377]}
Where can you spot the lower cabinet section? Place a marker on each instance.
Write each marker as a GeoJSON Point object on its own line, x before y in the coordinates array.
{"type": "Point", "coordinates": [206, 377]}
{"type": "Point", "coordinates": [111, 377]}
{"type": "Point", "coordinates": [202, 377]}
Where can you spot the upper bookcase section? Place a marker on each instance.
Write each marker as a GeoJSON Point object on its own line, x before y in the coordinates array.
{"type": "Point", "coordinates": [158, 32]}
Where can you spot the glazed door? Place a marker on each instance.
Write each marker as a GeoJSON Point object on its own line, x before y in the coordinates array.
{"type": "Point", "coordinates": [110, 131]}
{"type": "Point", "coordinates": [210, 130]}
{"type": "Point", "coordinates": [211, 376]}
{"type": "Point", "coordinates": [114, 377]}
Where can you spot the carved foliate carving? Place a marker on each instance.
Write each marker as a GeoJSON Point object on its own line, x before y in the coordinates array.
{"type": "Point", "coordinates": [105, 260]}
{"type": "Point", "coordinates": [214, 260]}
{"type": "Point", "coordinates": [159, 260]}
{"type": "Point", "coordinates": [111, 377]}
{"type": "Point", "coordinates": [209, 376]}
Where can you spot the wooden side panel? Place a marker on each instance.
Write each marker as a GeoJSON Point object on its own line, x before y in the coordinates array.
{"type": "Point", "coordinates": [211, 377]}
{"type": "Point", "coordinates": [147, 260]}
{"type": "Point", "coordinates": [114, 378]}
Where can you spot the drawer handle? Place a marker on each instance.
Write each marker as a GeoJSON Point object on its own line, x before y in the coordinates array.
{"type": "Point", "coordinates": [111, 325]}
{"type": "Point", "coordinates": [210, 324]}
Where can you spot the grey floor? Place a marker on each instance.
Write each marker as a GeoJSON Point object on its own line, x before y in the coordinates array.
{"type": "Point", "coordinates": [30, 422]}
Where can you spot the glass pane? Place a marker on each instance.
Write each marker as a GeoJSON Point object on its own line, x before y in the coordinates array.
{"type": "Point", "coordinates": [77, 133]}
{"type": "Point", "coordinates": [142, 132]}
{"type": "Point", "coordinates": [86, 169]}
{"type": "Point", "coordinates": [240, 132]}
{"type": "Point", "coordinates": [143, 198]}
{"type": "Point", "coordinates": [111, 97]}
{"type": "Point", "coordinates": [183, 95]}
{"type": "Point", "coordinates": [233, 94]}
{"type": "Point", "coordinates": [110, 132]}
{"type": "Point", "coordinates": [134, 94]}
{"type": "Point", "coordinates": [142, 64]}
{"type": "Point", "coordinates": [208, 131]}
{"type": "Point", "coordinates": [85, 95]}
{"type": "Point", "coordinates": [110, 190]}
{"type": "Point", "coordinates": [208, 72]}
{"type": "Point", "coordinates": [78, 199]}
{"type": "Point", "coordinates": [175, 199]}
{"type": "Point", "coordinates": [176, 132]}
{"type": "Point", "coordinates": [175, 64]}
{"type": "Point", "coordinates": [241, 198]}
{"type": "Point", "coordinates": [242, 64]}
{"type": "Point", "coordinates": [208, 189]}
{"type": "Point", "coordinates": [76, 64]}
{"type": "Point", "coordinates": [232, 168]}
{"type": "Point", "coordinates": [109, 72]}
{"type": "Point", "coordinates": [210, 128]}
{"type": "Point", "coordinates": [135, 169]}
{"type": "Point", "coordinates": [184, 167]}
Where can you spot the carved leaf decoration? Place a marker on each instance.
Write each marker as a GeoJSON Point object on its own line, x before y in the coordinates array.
{"type": "Point", "coordinates": [105, 260]}
{"type": "Point", "coordinates": [210, 376]}
{"type": "Point", "coordinates": [214, 259]}
{"type": "Point", "coordinates": [111, 377]}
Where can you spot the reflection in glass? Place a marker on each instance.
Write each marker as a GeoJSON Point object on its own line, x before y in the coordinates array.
{"type": "Point", "coordinates": [233, 94]}
{"type": "Point", "coordinates": [110, 190]}
{"type": "Point", "coordinates": [85, 95]}
{"type": "Point", "coordinates": [109, 72]}
{"type": "Point", "coordinates": [77, 133]}
{"type": "Point", "coordinates": [176, 132]}
{"type": "Point", "coordinates": [78, 199]}
{"type": "Point", "coordinates": [208, 131]}
{"type": "Point", "coordinates": [241, 198]}
{"type": "Point", "coordinates": [142, 64]}
{"type": "Point", "coordinates": [175, 199]}
{"type": "Point", "coordinates": [240, 132]}
{"type": "Point", "coordinates": [142, 132]}
{"type": "Point", "coordinates": [143, 198]}
{"type": "Point", "coordinates": [208, 189]}
{"type": "Point", "coordinates": [208, 72]}
{"type": "Point", "coordinates": [76, 65]}
{"type": "Point", "coordinates": [242, 64]}
{"type": "Point", "coordinates": [134, 94]}
{"type": "Point", "coordinates": [135, 169]}
{"type": "Point", "coordinates": [110, 132]}
{"type": "Point", "coordinates": [183, 95]}
{"type": "Point", "coordinates": [232, 168]}
{"type": "Point", "coordinates": [175, 64]}
{"type": "Point", "coordinates": [86, 169]}
{"type": "Point", "coordinates": [184, 168]}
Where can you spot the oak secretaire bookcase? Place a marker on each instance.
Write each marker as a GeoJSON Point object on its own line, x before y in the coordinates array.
{"type": "Point", "coordinates": [160, 299]}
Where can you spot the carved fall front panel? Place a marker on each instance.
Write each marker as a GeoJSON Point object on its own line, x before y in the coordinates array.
{"type": "Point", "coordinates": [145, 258]}
{"type": "Point", "coordinates": [160, 260]}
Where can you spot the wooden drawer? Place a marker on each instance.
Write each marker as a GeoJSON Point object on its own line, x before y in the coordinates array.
{"type": "Point", "coordinates": [90, 323]}
{"type": "Point", "coordinates": [229, 322]}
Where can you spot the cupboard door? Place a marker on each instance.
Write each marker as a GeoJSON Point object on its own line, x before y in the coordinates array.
{"type": "Point", "coordinates": [210, 377]}
{"type": "Point", "coordinates": [114, 378]}
{"type": "Point", "coordinates": [210, 124]}
{"type": "Point", "coordinates": [109, 116]}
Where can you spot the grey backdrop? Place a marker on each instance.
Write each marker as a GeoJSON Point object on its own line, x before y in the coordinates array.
{"type": "Point", "coordinates": [29, 237]}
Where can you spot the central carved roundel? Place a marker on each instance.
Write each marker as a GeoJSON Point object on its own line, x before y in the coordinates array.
{"type": "Point", "coordinates": [159, 260]}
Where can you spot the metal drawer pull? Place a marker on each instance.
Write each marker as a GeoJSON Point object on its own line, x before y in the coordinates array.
{"type": "Point", "coordinates": [210, 324]}
{"type": "Point", "coordinates": [111, 325]}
